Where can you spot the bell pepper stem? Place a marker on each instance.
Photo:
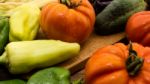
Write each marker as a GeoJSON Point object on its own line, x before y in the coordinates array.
{"type": "Point", "coordinates": [3, 58]}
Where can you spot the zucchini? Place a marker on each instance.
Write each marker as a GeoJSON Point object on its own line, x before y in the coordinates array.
{"type": "Point", "coordinates": [114, 17]}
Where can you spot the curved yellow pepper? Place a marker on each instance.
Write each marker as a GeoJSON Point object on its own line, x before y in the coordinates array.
{"type": "Point", "coordinates": [24, 22]}
{"type": "Point", "coordinates": [24, 56]}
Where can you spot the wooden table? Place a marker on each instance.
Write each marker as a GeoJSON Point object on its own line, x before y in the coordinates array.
{"type": "Point", "coordinates": [98, 41]}
{"type": "Point", "coordinates": [90, 46]}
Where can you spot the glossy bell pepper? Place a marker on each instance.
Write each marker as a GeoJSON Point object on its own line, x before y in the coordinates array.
{"type": "Point", "coordinates": [4, 32]}
{"type": "Point", "coordinates": [23, 56]}
{"type": "Point", "coordinates": [52, 75]}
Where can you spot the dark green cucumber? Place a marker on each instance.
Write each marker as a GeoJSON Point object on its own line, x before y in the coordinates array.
{"type": "Point", "coordinates": [114, 17]}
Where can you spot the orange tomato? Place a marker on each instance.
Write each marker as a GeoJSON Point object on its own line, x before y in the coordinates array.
{"type": "Point", "coordinates": [138, 28]}
{"type": "Point", "coordinates": [68, 22]}
{"type": "Point", "coordinates": [116, 64]}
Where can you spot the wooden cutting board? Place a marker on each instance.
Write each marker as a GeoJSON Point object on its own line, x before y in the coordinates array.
{"type": "Point", "coordinates": [93, 43]}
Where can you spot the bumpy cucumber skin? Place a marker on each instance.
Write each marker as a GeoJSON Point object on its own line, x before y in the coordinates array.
{"type": "Point", "coordinates": [114, 17]}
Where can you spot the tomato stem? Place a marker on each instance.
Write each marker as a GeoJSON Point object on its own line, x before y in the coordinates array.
{"type": "Point", "coordinates": [70, 4]}
{"type": "Point", "coordinates": [133, 62]}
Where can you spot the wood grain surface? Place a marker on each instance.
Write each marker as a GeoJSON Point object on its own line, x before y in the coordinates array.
{"type": "Point", "coordinates": [93, 43]}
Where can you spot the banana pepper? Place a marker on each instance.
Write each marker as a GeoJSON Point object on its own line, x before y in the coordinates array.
{"type": "Point", "coordinates": [23, 56]}
{"type": "Point", "coordinates": [24, 18]}
{"type": "Point", "coordinates": [4, 33]}
{"type": "Point", "coordinates": [52, 75]}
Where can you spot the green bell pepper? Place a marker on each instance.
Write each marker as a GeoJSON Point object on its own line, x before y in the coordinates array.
{"type": "Point", "coordinates": [53, 75]}
{"type": "Point", "coordinates": [4, 32]}
{"type": "Point", "coordinates": [23, 56]}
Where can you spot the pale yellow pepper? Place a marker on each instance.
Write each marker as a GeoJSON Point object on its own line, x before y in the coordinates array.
{"type": "Point", "coordinates": [24, 56]}
{"type": "Point", "coordinates": [24, 22]}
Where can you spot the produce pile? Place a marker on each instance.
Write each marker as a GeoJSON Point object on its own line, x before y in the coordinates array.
{"type": "Point", "coordinates": [64, 26]}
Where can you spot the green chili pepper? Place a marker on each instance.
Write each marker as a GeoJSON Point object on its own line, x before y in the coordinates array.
{"type": "Point", "coordinates": [53, 75]}
{"type": "Point", "coordinates": [23, 56]}
{"type": "Point", "coordinates": [4, 33]}
{"type": "Point", "coordinates": [13, 81]}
